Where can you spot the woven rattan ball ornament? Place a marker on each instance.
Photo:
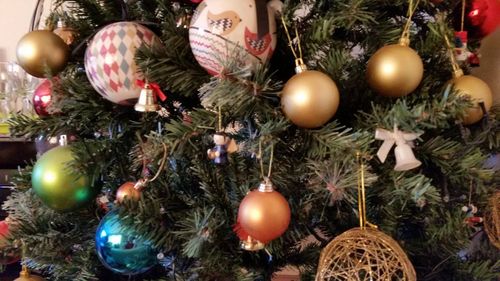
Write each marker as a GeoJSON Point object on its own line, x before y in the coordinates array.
{"type": "Point", "coordinates": [492, 220]}
{"type": "Point", "coordinates": [364, 254]}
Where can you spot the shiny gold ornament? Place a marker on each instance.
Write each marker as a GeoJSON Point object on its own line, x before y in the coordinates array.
{"type": "Point", "coordinates": [395, 70]}
{"type": "Point", "coordinates": [364, 254]}
{"type": "Point", "coordinates": [310, 98]}
{"type": "Point", "coordinates": [492, 220]}
{"type": "Point", "coordinates": [40, 52]}
{"type": "Point", "coordinates": [66, 33]}
{"type": "Point", "coordinates": [25, 275]}
{"type": "Point", "coordinates": [478, 91]}
{"type": "Point", "coordinates": [147, 101]}
{"type": "Point", "coordinates": [128, 191]}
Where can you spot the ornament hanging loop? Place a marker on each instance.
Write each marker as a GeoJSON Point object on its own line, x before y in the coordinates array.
{"type": "Point", "coordinates": [457, 71]}
{"type": "Point", "coordinates": [405, 36]}
{"type": "Point", "coordinates": [363, 221]}
{"type": "Point", "coordinates": [296, 53]}
{"type": "Point", "coordinates": [266, 179]}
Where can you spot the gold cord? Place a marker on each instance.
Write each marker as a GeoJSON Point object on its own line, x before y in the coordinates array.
{"type": "Point", "coordinates": [457, 71]}
{"type": "Point", "coordinates": [162, 163]}
{"type": "Point", "coordinates": [220, 120]}
{"type": "Point", "coordinates": [290, 41]}
{"type": "Point", "coordinates": [412, 7]}
{"type": "Point", "coordinates": [271, 159]}
{"type": "Point", "coordinates": [363, 221]}
{"type": "Point", "coordinates": [463, 16]}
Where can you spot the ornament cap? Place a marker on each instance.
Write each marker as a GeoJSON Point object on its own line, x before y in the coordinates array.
{"type": "Point", "coordinates": [252, 244]}
{"type": "Point", "coordinates": [404, 41]}
{"type": "Point", "coordinates": [61, 23]}
{"type": "Point", "coordinates": [266, 185]}
{"type": "Point", "coordinates": [24, 272]}
{"type": "Point", "coordinates": [63, 140]}
{"type": "Point", "coordinates": [457, 72]}
{"type": "Point", "coordinates": [300, 66]}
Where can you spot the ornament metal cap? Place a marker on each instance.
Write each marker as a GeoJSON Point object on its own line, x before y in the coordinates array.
{"type": "Point", "coordinates": [404, 41]}
{"type": "Point", "coordinates": [300, 66]}
{"type": "Point", "coordinates": [147, 100]}
{"type": "Point", "coordinates": [63, 140]}
{"type": "Point", "coordinates": [61, 23]}
{"type": "Point", "coordinates": [266, 185]}
{"type": "Point", "coordinates": [252, 244]}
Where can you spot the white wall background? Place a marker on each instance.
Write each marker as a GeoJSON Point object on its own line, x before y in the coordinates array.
{"type": "Point", "coordinates": [15, 16]}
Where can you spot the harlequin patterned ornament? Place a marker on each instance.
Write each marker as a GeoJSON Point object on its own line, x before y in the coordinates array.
{"type": "Point", "coordinates": [222, 31]}
{"type": "Point", "coordinates": [109, 60]}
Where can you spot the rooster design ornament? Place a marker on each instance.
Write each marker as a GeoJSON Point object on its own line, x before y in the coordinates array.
{"type": "Point", "coordinates": [223, 31]}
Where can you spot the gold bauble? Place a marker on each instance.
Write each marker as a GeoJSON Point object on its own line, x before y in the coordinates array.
{"type": "Point", "coordinates": [40, 52]}
{"type": "Point", "coordinates": [25, 275]}
{"type": "Point", "coordinates": [67, 34]}
{"type": "Point", "coordinates": [310, 99]}
{"type": "Point", "coordinates": [478, 91]}
{"type": "Point", "coordinates": [364, 254]}
{"type": "Point", "coordinates": [394, 71]}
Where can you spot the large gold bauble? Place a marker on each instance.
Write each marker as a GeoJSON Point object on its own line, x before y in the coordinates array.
{"type": "Point", "coordinates": [394, 71]}
{"type": "Point", "coordinates": [40, 52]}
{"type": "Point", "coordinates": [364, 254]}
{"type": "Point", "coordinates": [310, 99]}
{"type": "Point", "coordinates": [478, 91]}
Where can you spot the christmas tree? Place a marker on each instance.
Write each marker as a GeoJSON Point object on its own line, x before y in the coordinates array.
{"type": "Point", "coordinates": [298, 104]}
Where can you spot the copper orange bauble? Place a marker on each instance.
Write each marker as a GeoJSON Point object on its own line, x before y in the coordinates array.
{"type": "Point", "coordinates": [128, 191]}
{"type": "Point", "coordinates": [394, 71]}
{"type": "Point", "coordinates": [310, 98]}
{"type": "Point", "coordinates": [6, 256]}
{"type": "Point", "coordinates": [264, 215]}
{"type": "Point", "coordinates": [478, 91]}
{"type": "Point", "coordinates": [42, 52]}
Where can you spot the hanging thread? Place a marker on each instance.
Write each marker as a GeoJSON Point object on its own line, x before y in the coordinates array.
{"type": "Point", "coordinates": [405, 37]}
{"type": "Point", "coordinates": [363, 222]}
{"type": "Point", "coordinates": [463, 16]}
{"type": "Point", "coordinates": [297, 54]}
{"type": "Point", "coordinates": [271, 159]}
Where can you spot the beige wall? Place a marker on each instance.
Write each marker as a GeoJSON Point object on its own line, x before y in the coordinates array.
{"type": "Point", "coordinates": [15, 17]}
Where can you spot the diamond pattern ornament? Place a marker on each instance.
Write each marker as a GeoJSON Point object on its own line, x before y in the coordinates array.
{"type": "Point", "coordinates": [109, 60]}
{"type": "Point", "coordinates": [224, 32]}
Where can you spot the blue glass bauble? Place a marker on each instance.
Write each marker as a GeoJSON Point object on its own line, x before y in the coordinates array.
{"type": "Point", "coordinates": [120, 249]}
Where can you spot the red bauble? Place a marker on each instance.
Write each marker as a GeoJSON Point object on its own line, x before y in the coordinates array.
{"type": "Point", "coordinates": [264, 215]}
{"type": "Point", "coordinates": [6, 258]}
{"type": "Point", "coordinates": [128, 191]}
{"type": "Point", "coordinates": [42, 98]}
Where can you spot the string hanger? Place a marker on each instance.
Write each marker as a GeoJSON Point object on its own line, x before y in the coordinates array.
{"type": "Point", "coordinates": [271, 159]}
{"type": "Point", "coordinates": [219, 117]}
{"type": "Point", "coordinates": [457, 70]}
{"type": "Point", "coordinates": [363, 221]}
{"type": "Point", "coordinates": [295, 48]}
{"type": "Point", "coordinates": [405, 36]}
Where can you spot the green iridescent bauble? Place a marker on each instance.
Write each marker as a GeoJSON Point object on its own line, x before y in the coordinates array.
{"type": "Point", "coordinates": [55, 183]}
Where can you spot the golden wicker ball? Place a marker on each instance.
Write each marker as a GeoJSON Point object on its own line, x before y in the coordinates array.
{"type": "Point", "coordinates": [492, 220]}
{"type": "Point", "coordinates": [364, 254]}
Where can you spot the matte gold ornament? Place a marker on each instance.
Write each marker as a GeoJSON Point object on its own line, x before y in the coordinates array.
{"type": "Point", "coordinates": [310, 98]}
{"type": "Point", "coordinates": [478, 91]}
{"type": "Point", "coordinates": [25, 275]}
{"type": "Point", "coordinates": [395, 70]}
{"type": "Point", "coordinates": [492, 220]}
{"type": "Point", "coordinates": [129, 191]}
{"type": "Point", "coordinates": [40, 52]}
{"type": "Point", "coordinates": [364, 254]}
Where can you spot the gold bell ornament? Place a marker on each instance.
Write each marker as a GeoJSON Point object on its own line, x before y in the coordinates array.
{"type": "Point", "coordinates": [405, 159]}
{"type": "Point", "coordinates": [310, 98]}
{"type": "Point", "coordinates": [472, 87]}
{"type": "Point", "coordinates": [25, 275]}
{"type": "Point", "coordinates": [396, 70]}
{"type": "Point", "coordinates": [148, 98]}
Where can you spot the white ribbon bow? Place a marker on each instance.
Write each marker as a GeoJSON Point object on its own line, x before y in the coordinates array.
{"type": "Point", "coordinates": [390, 138]}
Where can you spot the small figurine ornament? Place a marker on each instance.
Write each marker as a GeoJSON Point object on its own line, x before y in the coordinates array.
{"type": "Point", "coordinates": [223, 146]}
{"type": "Point", "coordinates": [462, 52]}
{"type": "Point", "coordinates": [405, 159]}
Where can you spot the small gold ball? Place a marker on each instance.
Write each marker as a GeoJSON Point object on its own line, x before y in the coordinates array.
{"type": "Point", "coordinates": [394, 71]}
{"type": "Point", "coordinates": [42, 51]}
{"type": "Point", "coordinates": [310, 99]}
{"type": "Point", "coordinates": [478, 91]}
